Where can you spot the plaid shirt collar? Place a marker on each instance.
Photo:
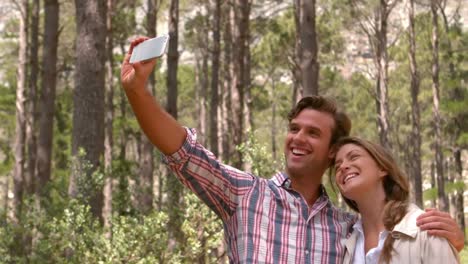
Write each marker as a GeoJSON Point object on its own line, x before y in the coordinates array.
{"type": "Point", "coordinates": [281, 179]}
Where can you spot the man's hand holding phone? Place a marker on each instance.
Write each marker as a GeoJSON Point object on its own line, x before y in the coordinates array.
{"type": "Point", "coordinates": [149, 49]}
{"type": "Point", "coordinates": [134, 73]}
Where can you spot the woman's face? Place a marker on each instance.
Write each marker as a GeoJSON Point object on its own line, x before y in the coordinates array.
{"type": "Point", "coordinates": [356, 171]}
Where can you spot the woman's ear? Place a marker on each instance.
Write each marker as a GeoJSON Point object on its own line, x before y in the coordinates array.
{"type": "Point", "coordinates": [331, 154]}
{"type": "Point", "coordinates": [382, 173]}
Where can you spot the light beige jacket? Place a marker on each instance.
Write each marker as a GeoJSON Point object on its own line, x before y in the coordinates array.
{"type": "Point", "coordinates": [411, 244]}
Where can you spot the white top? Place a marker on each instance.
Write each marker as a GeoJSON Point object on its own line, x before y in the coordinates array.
{"type": "Point", "coordinates": [372, 257]}
{"type": "Point", "coordinates": [411, 244]}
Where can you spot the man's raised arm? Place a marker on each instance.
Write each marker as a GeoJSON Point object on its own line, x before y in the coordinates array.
{"type": "Point", "coordinates": [159, 126]}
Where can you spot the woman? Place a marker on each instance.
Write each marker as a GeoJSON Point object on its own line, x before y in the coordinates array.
{"type": "Point", "coordinates": [373, 185]}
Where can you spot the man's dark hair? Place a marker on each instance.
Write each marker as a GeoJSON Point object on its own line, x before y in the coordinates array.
{"type": "Point", "coordinates": [323, 104]}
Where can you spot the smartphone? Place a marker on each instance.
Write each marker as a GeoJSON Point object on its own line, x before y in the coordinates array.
{"type": "Point", "coordinates": [150, 48]}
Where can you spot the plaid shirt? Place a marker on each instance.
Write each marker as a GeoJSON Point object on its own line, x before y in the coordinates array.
{"type": "Point", "coordinates": [265, 221]}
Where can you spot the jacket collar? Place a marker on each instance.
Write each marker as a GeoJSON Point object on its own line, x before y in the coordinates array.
{"type": "Point", "coordinates": [408, 225]}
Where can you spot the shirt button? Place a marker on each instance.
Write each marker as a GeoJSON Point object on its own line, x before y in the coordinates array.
{"type": "Point", "coordinates": [307, 252]}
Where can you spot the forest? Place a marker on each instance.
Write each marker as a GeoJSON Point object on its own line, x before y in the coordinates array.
{"type": "Point", "coordinates": [81, 183]}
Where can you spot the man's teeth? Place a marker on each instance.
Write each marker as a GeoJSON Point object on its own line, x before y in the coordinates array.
{"type": "Point", "coordinates": [349, 176]}
{"type": "Point", "coordinates": [298, 152]}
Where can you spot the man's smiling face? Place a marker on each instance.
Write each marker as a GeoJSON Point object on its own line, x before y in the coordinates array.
{"type": "Point", "coordinates": [307, 144]}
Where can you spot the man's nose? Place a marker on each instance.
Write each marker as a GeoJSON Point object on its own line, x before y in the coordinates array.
{"type": "Point", "coordinates": [300, 135]}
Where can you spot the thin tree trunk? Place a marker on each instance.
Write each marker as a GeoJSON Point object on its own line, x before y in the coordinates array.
{"type": "Point", "coordinates": [309, 55]}
{"type": "Point", "coordinates": [88, 101]}
{"type": "Point", "coordinates": [459, 201]}
{"type": "Point", "coordinates": [175, 191]}
{"type": "Point", "coordinates": [31, 135]}
{"type": "Point", "coordinates": [227, 77]}
{"type": "Point", "coordinates": [173, 59]}
{"type": "Point", "coordinates": [245, 33]}
{"type": "Point", "coordinates": [433, 182]}
{"type": "Point", "coordinates": [382, 73]}
{"type": "Point", "coordinates": [240, 50]}
{"type": "Point", "coordinates": [439, 159]}
{"type": "Point", "coordinates": [20, 132]}
{"type": "Point", "coordinates": [47, 101]}
{"type": "Point", "coordinates": [204, 84]}
{"type": "Point", "coordinates": [457, 96]}
{"type": "Point", "coordinates": [200, 91]}
{"type": "Point", "coordinates": [215, 78]}
{"type": "Point", "coordinates": [31, 122]}
{"type": "Point", "coordinates": [123, 114]}
{"type": "Point", "coordinates": [375, 27]}
{"type": "Point", "coordinates": [109, 119]}
{"type": "Point", "coordinates": [296, 67]}
{"type": "Point", "coordinates": [146, 162]}
{"type": "Point", "coordinates": [415, 164]}
{"type": "Point", "coordinates": [273, 120]}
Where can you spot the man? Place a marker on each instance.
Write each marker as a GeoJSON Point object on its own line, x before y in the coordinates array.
{"type": "Point", "coordinates": [287, 219]}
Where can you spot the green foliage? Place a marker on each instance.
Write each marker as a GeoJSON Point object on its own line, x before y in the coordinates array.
{"type": "Point", "coordinates": [121, 198]}
{"type": "Point", "coordinates": [256, 154]}
{"type": "Point", "coordinates": [89, 180]}
{"type": "Point", "coordinates": [137, 240]}
{"type": "Point", "coordinates": [464, 254]}
{"type": "Point", "coordinates": [356, 99]}
{"type": "Point", "coordinates": [450, 188]}
{"type": "Point", "coordinates": [75, 236]}
{"type": "Point", "coordinates": [65, 231]}
{"type": "Point", "coordinates": [72, 238]}
{"type": "Point", "coordinates": [7, 95]}
{"type": "Point", "coordinates": [203, 231]}
{"type": "Point", "coordinates": [276, 44]}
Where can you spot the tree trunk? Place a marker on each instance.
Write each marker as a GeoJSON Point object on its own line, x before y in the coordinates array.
{"type": "Point", "coordinates": [240, 78]}
{"type": "Point", "coordinates": [200, 107]}
{"type": "Point", "coordinates": [173, 58]}
{"type": "Point", "coordinates": [439, 159]}
{"type": "Point", "coordinates": [215, 78]}
{"type": "Point", "coordinates": [415, 164]}
{"type": "Point", "coordinates": [459, 201]}
{"type": "Point", "coordinates": [274, 128]}
{"type": "Point", "coordinates": [31, 135]}
{"type": "Point", "coordinates": [382, 73]}
{"type": "Point", "coordinates": [456, 95]}
{"type": "Point", "coordinates": [204, 84]}
{"type": "Point", "coordinates": [309, 54]}
{"type": "Point", "coordinates": [296, 67]}
{"type": "Point", "coordinates": [375, 27]}
{"type": "Point", "coordinates": [433, 182]}
{"type": "Point", "coordinates": [20, 132]}
{"type": "Point", "coordinates": [123, 115]}
{"type": "Point", "coordinates": [227, 77]}
{"type": "Point", "coordinates": [88, 101]}
{"type": "Point", "coordinates": [109, 119]}
{"type": "Point", "coordinates": [175, 191]}
{"type": "Point", "coordinates": [47, 101]}
{"type": "Point", "coordinates": [249, 122]}
{"type": "Point", "coordinates": [146, 163]}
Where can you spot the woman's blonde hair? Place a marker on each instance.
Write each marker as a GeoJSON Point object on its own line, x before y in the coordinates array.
{"type": "Point", "coordinates": [396, 187]}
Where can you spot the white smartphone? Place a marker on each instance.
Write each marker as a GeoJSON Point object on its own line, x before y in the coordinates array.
{"type": "Point", "coordinates": [150, 48]}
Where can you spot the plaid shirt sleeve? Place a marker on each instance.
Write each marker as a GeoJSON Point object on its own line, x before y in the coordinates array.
{"type": "Point", "coordinates": [218, 185]}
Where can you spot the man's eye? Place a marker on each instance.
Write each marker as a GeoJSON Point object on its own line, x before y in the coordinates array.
{"type": "Point", "coordinates": [314, 133]}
